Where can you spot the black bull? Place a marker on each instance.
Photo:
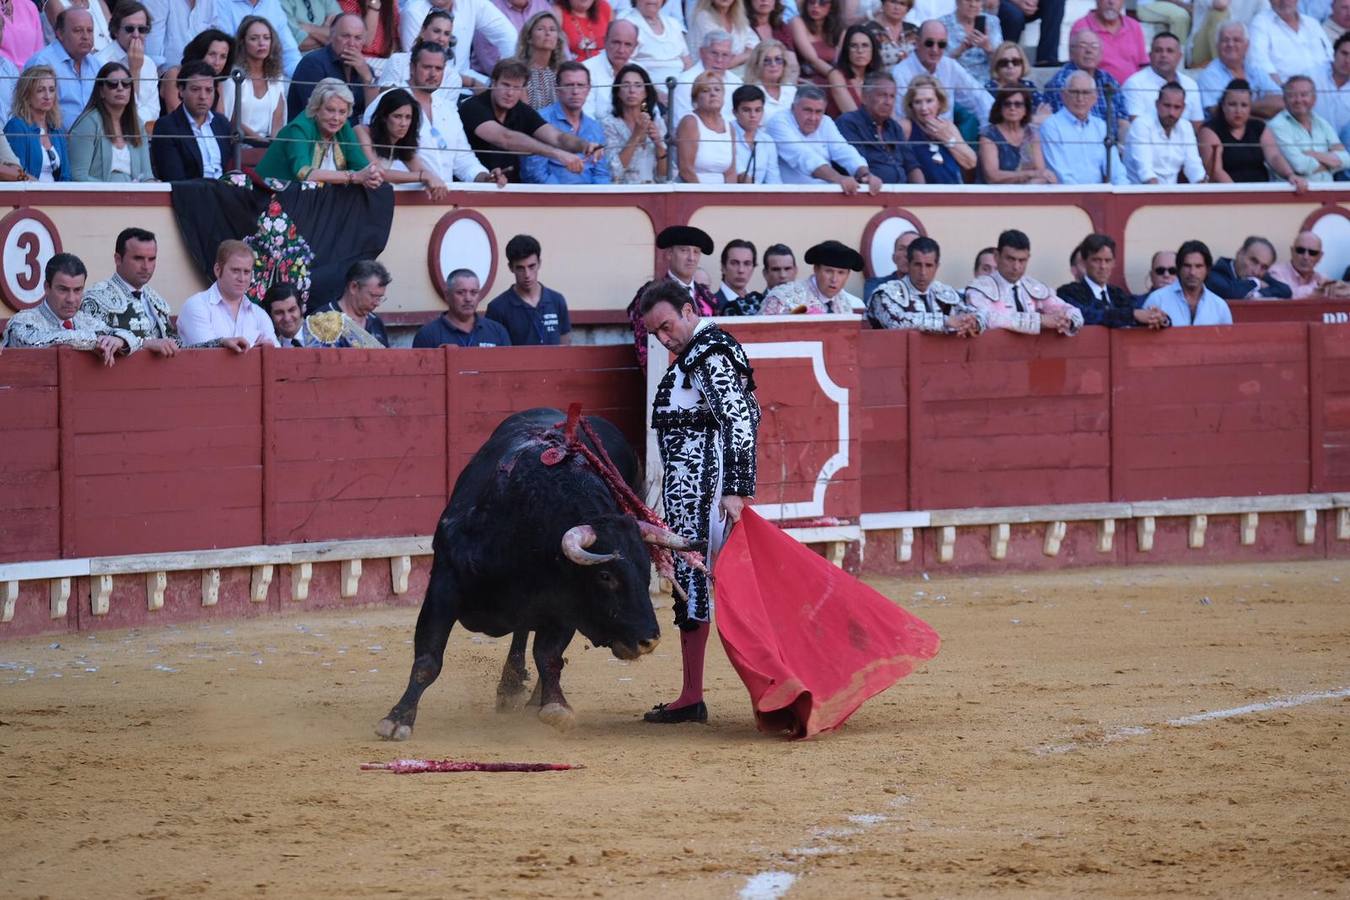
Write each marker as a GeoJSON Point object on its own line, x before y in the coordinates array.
{"type": "Point", "coordinates": [527, 546]}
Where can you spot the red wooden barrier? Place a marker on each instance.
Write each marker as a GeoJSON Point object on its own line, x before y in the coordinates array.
{"type": "Point", "coordinates": [1210, 412]}
{"type": "Point", "coordinates": [1251, 311]}
{"type": "Point", "coordinates": [1330, 382]}
{"type": "Point", "coordinates": [30, 470]}
{"type": "Point", "coordinates": [883, 357]}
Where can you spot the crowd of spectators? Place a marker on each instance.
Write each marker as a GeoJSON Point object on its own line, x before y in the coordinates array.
{"type": "Point", "coordinates": [855, 93]}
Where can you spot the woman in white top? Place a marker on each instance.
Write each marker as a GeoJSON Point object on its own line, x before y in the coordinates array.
{"type": "Point", "coordinates": [257, 53]}
{"type": "Point", "coordinates": [728, 16]}
{"type": "Point", "coordinates": [661, 49]}
{"type": "Point", "coordinates": [131, 24]}
{"type": "Point", "coordinates": [704, 138]}
{"type": "Point", "coordinates": [635, 137]}
{"type": "Point", "coordinates": [773, 69]}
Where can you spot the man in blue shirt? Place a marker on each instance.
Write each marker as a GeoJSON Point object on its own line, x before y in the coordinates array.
{"type": "Point", "coordinates": [461, 325]}
{"type": "Point", "coordinates": [1074, 140]}
{"type": "Point", "coordinates": [531, 313]}
{"type": "Point", "coordinates": [1085, 55]}
{"type": "Point", "coordinates": [873, 131]}
{"type": "Point", "coordinates": [74, 60]}
{"type": "Point", "coordinates": [566, 114]}
{"type": "Point", "coordinates": [1187, 301]}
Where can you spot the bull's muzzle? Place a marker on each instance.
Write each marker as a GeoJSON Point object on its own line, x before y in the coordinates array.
{"type": "Point", "coordinates": [628, 651]}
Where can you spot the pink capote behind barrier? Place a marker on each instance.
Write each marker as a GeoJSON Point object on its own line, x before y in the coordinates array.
{"type": "Point", "coordinates": [811, 642]}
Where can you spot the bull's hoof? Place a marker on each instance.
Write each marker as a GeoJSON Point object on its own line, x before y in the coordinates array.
{"type": "Point", "coordinates": [393, 731]}
{"type": "Point", "coordinates": [508, 700]}
{"type": "Point", "coordinates": [557, 716]}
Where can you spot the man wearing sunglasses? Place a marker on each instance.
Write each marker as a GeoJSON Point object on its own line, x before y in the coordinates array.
{"type": "Point", "coordinates": [1301, 274]}
{"type": "Point", "coordinates": [130, 26]}
{"type": "Point", "coordinates": [930, 58]}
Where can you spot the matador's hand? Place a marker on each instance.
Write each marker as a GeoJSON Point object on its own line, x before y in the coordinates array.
{"type": "Point", "coordinates": [732, 506]}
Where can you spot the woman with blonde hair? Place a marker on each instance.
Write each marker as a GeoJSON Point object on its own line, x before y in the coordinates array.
{"type": "Point", "coordinates": [541, 49]}
{"type": "Point", "coordinates": [257, 54]}
{"type": "Point", "coordinates": [773, 69]}
{"type": "Point", "coordinates": [703, 137]}
{"type": "Point", "coordinates": [34, 129]}
{"type": "Point", "coordinates": [107, 141]}
{"type": "Point", "coordinates": [728, 16]}
{"type": "Point", "coordinates": [942, 155]}
{"type": "Point", "coordinates": [319, 144]}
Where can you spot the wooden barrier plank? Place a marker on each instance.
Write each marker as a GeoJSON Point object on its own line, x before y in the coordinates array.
{"type": "Point", "coordinates": [999, 380]}
{"type": "Point", "coordinates": [142, 493]}
{"type": "Point", "coordinates": [325, 366]}
{"type": "Point", "coordinates": [342, 519]}
{"type": "Point", "coordinates": [1162, 418]}
{"type": "Point", "coordinates": [30, 489]}
{"type": "Point", "coordinates": [115, 534]}
{"type": "Point", "coordinates": [30, 478]}
{"type": "Point", "coordinates": [322, 480]}
{"type": "Point", "coordinates": [1035, 416]}
{"type": "Point", "coordinates": [355, 437]}
{"type": "Point", "coordinates": [1027, 487]}
{"type": "Point", "coordinates": [224, 447]}
{"type": "Point", "coordinates": [28, 406]}
{"type": "Point", "coordinates": [27, 449]}
{"type": "Point", "coordinates": [1202, 480]}
{"type": "Point", "coordinates": [1084, 450]}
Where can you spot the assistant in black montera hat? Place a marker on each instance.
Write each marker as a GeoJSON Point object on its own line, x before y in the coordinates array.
{"type": "Point", "coordinates": [684, 247]}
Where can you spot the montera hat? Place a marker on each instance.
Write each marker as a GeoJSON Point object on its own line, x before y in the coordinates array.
{"type": "Point", "coordinates": [684, 236]}
{"type": "Point", "coordinates": [833, 253]}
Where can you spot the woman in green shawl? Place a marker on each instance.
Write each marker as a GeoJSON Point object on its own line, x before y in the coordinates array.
{"type": "Point", "coordinates": [319, 145]}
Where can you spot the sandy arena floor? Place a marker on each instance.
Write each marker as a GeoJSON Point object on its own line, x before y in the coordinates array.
{"type": "Point", "coordinates": [1032, 757]}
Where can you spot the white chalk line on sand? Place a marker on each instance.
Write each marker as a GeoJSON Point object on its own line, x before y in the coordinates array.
{"type": "Point", "coordinates": [1129, 731]}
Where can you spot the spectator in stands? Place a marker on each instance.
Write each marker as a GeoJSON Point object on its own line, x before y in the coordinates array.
{"type": "Point", "coordinates": [972, 36]}
{"type": "Point", "coordinates": [714, 56]}
{"type": "Point", "coordinates": [320, 145]}
{"type": "Point", "coordinates": [661, 48]}
{"type": "Point", "coordinates": [704, 144]}
{"type": "Point", "coordinates": [941, 153]}
{"type": "Point", "coordinates": [635, 133]}
{"type": "Point", "coordinates": [1162, 147]}
{"type": "Point", "coordinates": [859, 56]}
{"type": "Point", "coordinates": [310, 21]}
{"type": "Point", "coordinates": [58, 320]}
{"type": "Point", "coordinates": [755, 153]}
{"type": "Point", "coordinates": [1011, 299]}
{"type": "Point", "coordinates": [876, 134]}
{"type": "Point", "coordinates": [930, 60]}
{"type": "Point", "coordinates": [568, 117]}
{"type": "Point", "coordinates": [895, 35]}
{"type": "Point", "coordinates": [107, 141]}
{"type": "Point", "coordinates": [541, 50]}
{"type": "Point", "coordinates": [1101, 302]}
{"type": "Point", "coordinates": [222, 310]}
{"type": "Point", "coordinates": [461, 325]}
{"type": "Point", "coordinates": [282, 303]}
{"type": "Point", "coordinates": [1170, 16]}
{"type": "Point", "coordinates": [1076, 270]}
{"type": "Point", "coordinates": [920, 302]}
{"type": "Point", "coordinates": [22, 34]}
{"type": "Point", "coordinates": [1008, 70]}
{"type": "Point", "coordinates": [986, 262]}
{"type": "Point", "coordinates": [262, 109]}
{"type": "Point", "coordinates": [1308, 146]}
{"type": "Point", "coordinates": [685, 247]}
{"type": "Point", "coordinates": [9, 77]}
{"type": "Point", "coordinates": [34, 130]}
{"type": "Point", "coordinates": [1231, 65]}
{"type": "Point", "coordinates": [1122, 38]}
{"type": "Point", "coordinates": [1286, 43]}
{"type": "Point", "coordinates": [130, 25]}
{"type": "Point", "coordinates": [734, 297]}
{"type": "Point", "coordinates": [780, 266]}
{"type": "Point", "coordinates": [1332, 82]}
{"type": "Point", "coordinates": [499, 126]}
{"type": "Point", "coordinates": [1014, 14]}
{"type": "Point", "coordinates": [367, 282]}
{"type": "Point", "coordinates": [620, 41]}
{"type": "Point", "coordinates": [773, 70]}
{"type": "Point", "coordinates": [900, 259]}
{"type": "Point", "coordinates": [728, 16]}
{"type": "Point", "coordinates": [1164, 58]}
{"type": "Point", "coordinates": [228, 15]}
{"type": "Point", "coordinates": [1338, 22]}
{"type": "Point", "coordinates": [1301, 274]}
{"type": "Point", "coordinates": [72, 59]}
{"type": "Point", "coordinates": [810, 147]}
{"type": "Point", "coordinates": [1247, 275]}
{"type": "Point", "coordinates": [212, 46]}
{"type": "Point", "coordinates": [192, 141]}
{"type": "Point", "coordinates": [1232, 141]}
{"type": "Point", "coordinates": [1073, 140]}
{"type": "Point", "coordinates": [475, 21]}
{"type": "Point", "coordinates": [1112, 105]}
{"type": "Point", "coordinates": [823, 292]}
{"type": "Point", "coordinates": [10, 170]}
{"type": "Point", "coordinates": [438, 29]}
{"type": "Point", "coordinates": [816, 34]}
{"type": "Point", "coordinates": [483, 55]}
{"type": "Point", "coordinates": [1010, 146]}
{"type": "Point", "coordinates": [1162, 271]}
{"type": "Point", "coordinates": [583, 24]}
{"type": "Point", "coordinates": [382, 25]}
{"type": "Point", "coordinates": [531, 313]}
{"type": "Point", "coordinates": [391, 138]}
{"type": "Point", "coordinates": [1187, 301]}
{"type": "Point", "coordinates": [340, 59]}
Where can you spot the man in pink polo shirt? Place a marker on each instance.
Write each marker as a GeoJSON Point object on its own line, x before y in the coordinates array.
{"type": "Point", "coordinates": [1123, 51]}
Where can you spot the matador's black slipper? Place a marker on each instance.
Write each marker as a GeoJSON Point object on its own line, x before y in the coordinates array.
{"type": "Point", "coordinates": [662, 715]}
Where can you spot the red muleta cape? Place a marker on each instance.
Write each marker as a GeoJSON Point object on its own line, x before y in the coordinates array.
{"type": "Point", "coordinates": [811, 642]}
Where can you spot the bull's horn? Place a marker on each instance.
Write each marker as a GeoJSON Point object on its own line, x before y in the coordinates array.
{"type": "Point", "coordinates": [574, 544]}
{"type": "Point", "coordinates": [654, 534]}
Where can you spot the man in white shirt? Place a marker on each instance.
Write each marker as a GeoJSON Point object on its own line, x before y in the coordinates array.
{"type": "Point", "coordinates": [222, 310]}
{"type": "Point", "coordinates": [472, 18]}
{"type": "Point", "coordinates": [1286, 43]}
{"type": "Point", "coordinates": [1333, 89]}
{"type": "Point", "coordinates": [930, 58]}
{"type": "Point", "coordinates": [621, 39]}
{"type": "Point", "coordinates": [1164, 56]}
{"type": "Point", "coordinates": [714, 56]}
{"type": "Point", "coordinates": [809, 143]}
{"type": "Point", "coordinates": [130, 26]}
{"type": "Point", "coordinates": [1162, 146]}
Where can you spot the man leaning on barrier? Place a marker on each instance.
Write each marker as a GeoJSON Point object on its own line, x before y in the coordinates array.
{"type": "Point", "coordinates": [918, 301]}
{"type": "Point", "coordinates": [58, 321]}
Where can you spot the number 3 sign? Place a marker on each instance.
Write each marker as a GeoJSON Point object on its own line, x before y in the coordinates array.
{"type": "Point", "coordinates": [27, 240]}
